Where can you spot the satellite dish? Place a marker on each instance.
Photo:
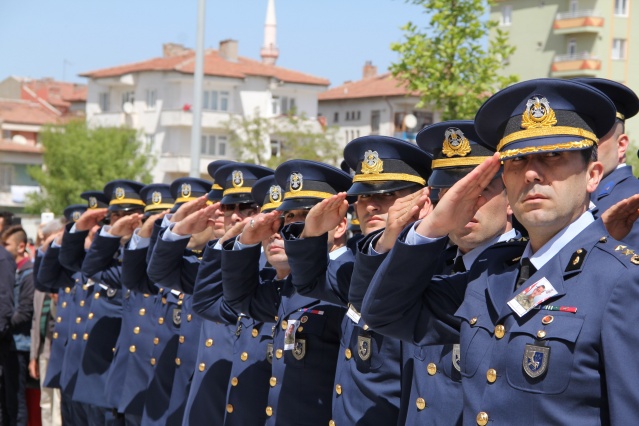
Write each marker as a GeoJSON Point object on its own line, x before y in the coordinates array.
{"type": "Point", "coordinates": [410, 121]}
{"type": "Point", "coordinates": [19, 139]}
{"type": "Point", "coordinates": [127, 107]}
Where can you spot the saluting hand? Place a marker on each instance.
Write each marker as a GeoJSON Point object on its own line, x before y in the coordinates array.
{"type": "Point", "coordinates": [619, 218]}
{"type": "Point", "coordinates": [197, 221]}
{"type": "Point", "coordinates": [458, 206]}
{"type": "Point", "coordinates": [187, 208]}
{"type": "Point", "coordinates": [57, 236]}
{"type": "Point", "coordinates": [235, 230]}
{"type": "Point", "coordinates": [125, 226]}
{"type": "Point", "coordinates": [260, 227]}
{"type": "Point", "coordinates": [147, 227]}
{"type": "Point", "coordinates": [90, 218]}
{"type": "Point", "coordinates": [404, 210]}
{"type": "Point", "coordinates": [325, 216]}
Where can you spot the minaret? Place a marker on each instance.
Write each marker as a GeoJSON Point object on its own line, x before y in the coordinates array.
{"type": "Point", "coordinates": [269, 51]}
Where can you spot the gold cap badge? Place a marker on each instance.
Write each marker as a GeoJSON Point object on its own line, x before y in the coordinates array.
{"type": "Point", "coordinates": [538, 114]}
{"type": "Point", "coordinates": [372, 164]}
{"type": "Point", "coordinates": [238, 178]}
{"type": "Point", "coordinates": [296, 182]}
{"type": "Point", "coordinates": [455, 143]}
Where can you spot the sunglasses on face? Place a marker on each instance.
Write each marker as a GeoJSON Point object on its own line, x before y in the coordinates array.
{"type": "Point", "coordinates": [243, 209]}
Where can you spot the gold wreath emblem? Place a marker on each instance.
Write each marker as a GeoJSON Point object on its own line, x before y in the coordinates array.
{"type": "Point", "coordinates": [93, 202]}
{"type": "Point", "coordinates": [185, 190]}
{"type": "Point", "coordinates": [455, 143]}
{"type": "Point", "coordinates": [372, 164]}
{"type": "Point", "coordinates": [538, 114]}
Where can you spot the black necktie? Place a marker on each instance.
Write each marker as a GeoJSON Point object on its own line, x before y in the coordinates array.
{"type": "Point", "coordinates": [458, 265]}
{"type": "Point", "coordinates": [525, 271]}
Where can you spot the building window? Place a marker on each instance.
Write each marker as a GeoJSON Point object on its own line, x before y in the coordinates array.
{"type": "Point", "coordinates": [214, 145]}
{"type": "Point", "coordinates": [506, 15]}
{"type": "Point", "coordinates": [621, 7]}
{"type": "Point", "coordinates": [224, 101]}
{"type": "Point", "coordinates": [151, 98]}
{"type": "Point", "coordinates": [276, 148]}
{"type": "Point", "coordinates": [104, 100]}
{"type": "Point", "coordinates": [572, 47]}
{"type": "Point", "coordinates": [574, 6]}
{"type": "Point", "coordinates": [6, 134]}
{"type": "Point", "coordinates": [348, 115]}
{"type": "Point", "coordinates": [128, 97]}
{"type": "Point", "coordinates": [6, 177]}
{"type": "Point", "coordinates": [336, 117]}
{"type": "Point", "coordinates": [375, 120]}
{"type": "Point", "coordinates": [215, 101]}
{"type": "Point", "coordinates": [149, 140]}
{"type": "Point", "coordinates": [618, 48]}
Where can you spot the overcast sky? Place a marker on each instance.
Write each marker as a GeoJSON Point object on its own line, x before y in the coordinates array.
{"type": "Point", "coordinates": [325, 38]}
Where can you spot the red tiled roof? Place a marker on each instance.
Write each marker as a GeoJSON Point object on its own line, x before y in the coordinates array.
{"type": "Point", "coordinates": [24, 112]}
{"type": "Point", "coordinates": [214, 64]}
{"type": "Point", "coordinates": [372, 87]}
{"type": "Point", "coordinates": [57, 93]}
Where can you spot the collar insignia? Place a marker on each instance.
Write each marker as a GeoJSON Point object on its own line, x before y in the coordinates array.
{"type": "Point", "coordinates": [455, 143]}
{"type": "Point", "coordinates": [538, 114]}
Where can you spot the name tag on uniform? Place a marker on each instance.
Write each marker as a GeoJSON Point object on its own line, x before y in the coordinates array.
{"type": "Point", "coordinates": [289, 335]}
{"type": "Point", "coordinates": [532, 296]}
{"type": "Point", "coordinates": [353, 314]}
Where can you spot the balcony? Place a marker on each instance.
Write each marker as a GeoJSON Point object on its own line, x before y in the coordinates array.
{"type": "Point", "coordinates": [581, 21]}
{"type": "Point", "coordinates": [576, 65]}
{"type": "Point", "coordinates": [182, 118]}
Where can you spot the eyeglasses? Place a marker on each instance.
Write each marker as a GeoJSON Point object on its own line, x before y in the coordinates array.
{"type": "Point", "coordinates": [243, 209]}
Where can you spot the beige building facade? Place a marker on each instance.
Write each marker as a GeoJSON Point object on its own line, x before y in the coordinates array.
{"type": "Point", "coordinates": [573, 38]}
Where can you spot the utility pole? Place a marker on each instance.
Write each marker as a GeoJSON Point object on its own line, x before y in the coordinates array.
{"type": "Point", "coordinates": [198, 77]}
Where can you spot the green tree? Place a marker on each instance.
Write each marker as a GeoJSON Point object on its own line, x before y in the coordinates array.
{"type": "Point", "coordinates": [77, 158]}
{"type": "Point", "coordinates": [298, 137]}
{"type": "Point", "coordinates": [454, 62]}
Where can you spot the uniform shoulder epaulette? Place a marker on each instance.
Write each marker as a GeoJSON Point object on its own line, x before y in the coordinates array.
{"type": "Point", "coordinates": [622, 250]}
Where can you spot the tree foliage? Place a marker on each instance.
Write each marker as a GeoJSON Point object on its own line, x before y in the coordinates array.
{"type": "Point", "coordinates": [299, 137]}
{"type": "Point", "coordinates": [454, 62]}
{"type": "Point", "coordinates": [77, 158]}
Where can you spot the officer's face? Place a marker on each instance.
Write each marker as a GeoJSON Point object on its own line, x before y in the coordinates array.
{"type": "Point", "coordinates": [292, 216]}
{"type": "Point", "coordinates": [372, 209]}
{"type": "Point", "coordinates": [549, 191]}
{"type": "Point", "coordinates": [612, 148]}
{"type": "Point", "coordinates": [489, 221]}
{"type": "Point", "coordinates": [234, 213]}
{"type": "Point", "coordinates": [274, 251]}
{"type": "Point", "coordinates": [218, 228]}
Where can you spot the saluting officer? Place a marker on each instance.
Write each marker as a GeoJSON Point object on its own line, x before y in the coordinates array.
{"type": "Point", "coordinates": [306, 334]}
{"type": "Point", "coordinates": [247, 394]}
{"type": "Point", "coordinates": [102, 264]}
{"type": "Point", "coordinates": [367, 384]}
{"type": "Point", "coordinates": [432, 372]}
{"type": "Point", "coordinates": [207, 396]}
{"type": "Point", "coordinates": [570, 349]}
{"type": "Point", "coordinates": [618, 182]}
{"type": "Point", "coordinates": [172, 342]}
{"type": "Point", "coordinates": [131, 370]}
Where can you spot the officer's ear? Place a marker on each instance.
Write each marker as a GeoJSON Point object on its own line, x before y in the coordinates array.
{"type": "Point", "coordinates": [340, 230]}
